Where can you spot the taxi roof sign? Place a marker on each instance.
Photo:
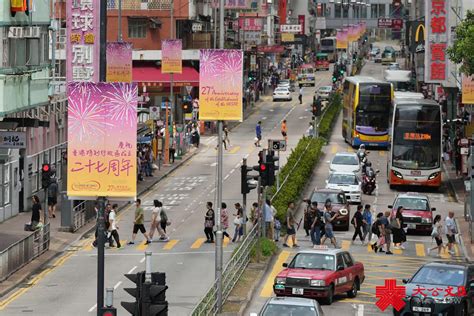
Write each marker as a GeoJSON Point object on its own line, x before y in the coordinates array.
{"type": "Point", "coordinates": [320, 247]}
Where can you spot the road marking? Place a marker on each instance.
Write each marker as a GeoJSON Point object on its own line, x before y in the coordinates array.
{"type": "Point", "coordinates": [213, 164]}
{"type": "Point", "coordinates": [382, 153]}
{"type": "Point", "coordinates": [420, 250]}
{"type": "Point", "coordinates": [345, 245]}
{"type": "Point", "coordinates": [456, 250]}
{"type": "Point", "coordinates": [231, 171]}
{"type": "Point", "coordinates": [350, 149]}
{"type": "Point", "coordinates": [142, 246]}
{"type": "Point", "coordinates": [290, 241]}
{"type": "Point", "coordinates": [397, 251]}
{"type": "Point", "coordinates": [234, 150]}
{"type": "Point", "coordinates": [444, 253]}
{"type": "Point", "coordinates": [227, 177]}
{"type": "Point", "coordinates": [142, 260]}
{"type": "Point", "coordinates": [170, 244]}
{"type": "Point", "coordinates": [88, 247]}
{"type": "Point", "coordinates": [92, 308]}
{"type": "Point", "coordinates": [132, 269]}
{"type": "Point", "coordinates": [237, 165]}
{"type": "Point", "coordinates": [267, 289]}
{"type": "Point", "coordinates": [334, 149]}
{"type": "Point", "coordinates": [226, 241]}
{"type": "Point", "coordinates": [117, 285]}
{"type": "Point", "coordinates": [198, 243]}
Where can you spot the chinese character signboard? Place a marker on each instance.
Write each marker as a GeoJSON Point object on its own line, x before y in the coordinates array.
{"type": "Point", "coordinates": [291, 28]}
{"type": "Point", "coordinates": [82, 48]}
{"type": "Point", "coordinates": [287, 37]}
{"type": "Point", "coordinates": [220, 84]}
{"type": "Point", "coordinates": [171, 58]}
{"type": "Point", "coordinates": [102, 139]}
{"type": "Point", "coordinates": [12, 139]}
{"type": "Point", "coordinates": [302, 22]}
{"type": "Point", "coordinates": [437, 40]}
{"type": "Point", "coordinates": [467, 90]}
{"type": "Point", "coordinates": [231, 4]}
{"type": "Point", "coordinates": [119, 62]}
{"type": "Point", "coordinates": [250, 24]}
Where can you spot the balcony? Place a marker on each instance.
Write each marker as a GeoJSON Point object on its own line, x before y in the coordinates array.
{"type": "Point", "coordinates": [161, 5]}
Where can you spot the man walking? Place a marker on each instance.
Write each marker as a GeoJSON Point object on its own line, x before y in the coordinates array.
{"type": "Point", "coordinates": [290, 223]}
{"type": "Point", "coordinates": [284, 130]}
{"type": "Point", "coordinates": [113, 228]}
{"type": "Point", "coordinates": [138, 223]}
{"type": "Point", "coordinates": [300, 96]}
{"type": "Point", "coordinates": [385, 233]}
{"type": "Point", "coordinates": [52, 198]}
{"type": "Point", "coordinates": [317, 225]}
{"type": "Point", "coordinates": [269, 217]}
{"type": "Point", "coordinates": [367, 215]}
{"type": "Point", "coordinates": [358, 222]}
{"type": "Point", "coordinates": [258, 133]}
{"type": "Point", "coordinates": [451, 231]}
{"type": "Point", "coordinates": [328, 228]}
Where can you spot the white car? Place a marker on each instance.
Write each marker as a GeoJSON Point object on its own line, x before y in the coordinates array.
{"type": "Point", "coordinates": [348, 182]}
{"type": "Point", "coordinates": [345, 162]}
{"type": "Point", "coordinates": [285, 83]}
{"type": "Point", "coordinates": [324, 92]}
{"type": "Point", "coordinates": [282, 94]}
{"type": "Point", "coordinates": [393, 66]}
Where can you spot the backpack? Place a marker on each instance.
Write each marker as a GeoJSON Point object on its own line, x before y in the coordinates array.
{"type": "Point", "coordinates": [375, 228]}
{"type": "Point", "coordinates": [277, 225]}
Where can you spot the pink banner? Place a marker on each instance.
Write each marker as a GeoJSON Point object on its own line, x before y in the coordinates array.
{"type": "Point", "coordinates": [171, 56]}
{"type": "Point", "coordinates": [102, 139]}
{"type": "Point", "coordinates": [341, 39]}
{"type": "Point", "coordinates": [82, 47]}
{"type": "Point", "coordinates": [119, 62]}
{"type": "Point", "coordinates": [231, 4]}
{"type": "Point", "coordinates": [250, 24]}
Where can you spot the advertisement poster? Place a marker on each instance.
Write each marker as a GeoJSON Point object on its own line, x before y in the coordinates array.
{"type": "Point", "coordinates": [82, 47]}
{"type": "Point", "coordinates": [231, 4]}
{"type": "Point", "coordinates": [467, 90]}
{"type": "Point", "coordinates": [351, 35]}
{"type": "Point", "coordinates": [220, 90]}
{"type": "Point", "coordinates": [341, 39]}
{"type": "Point", "coordinates": [119, 62]}
{"type": "Point", "coordinates": [171, 59]}
{"type": "Point", "coordinates": [102, 139]}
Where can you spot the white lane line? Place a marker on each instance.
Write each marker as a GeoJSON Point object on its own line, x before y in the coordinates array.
{"type": "Point", "coordinates": [142, 260]}
{"type": "Point", "coordinates": [212, 191]}
{"type": "Point", "coordinates": [226, 177]}
{"type": "Point", "coordinates": [231, 171]}
{"type": "Point", "coordinates": [360, 310]}
{"type": "Point", "coordinates": [264, 118]}
{"type": "Point", "coordinates": [237, 165]}
{"type": "Point", "coordinates": [92, 308]}
{"type": "Point", "coordinates": [117, 285]}
{"type": "Point", "coordinates": [246, 156]}
{"type": "Point", "coordinates": [213, 164]}
{"type": "Point", "coordinates": [132, 269]}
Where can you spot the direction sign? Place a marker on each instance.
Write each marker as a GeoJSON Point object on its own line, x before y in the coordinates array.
{"type": "Point", "coordinates": [154, 113]}
{"type": "Point", "coordinates": [277, 144]}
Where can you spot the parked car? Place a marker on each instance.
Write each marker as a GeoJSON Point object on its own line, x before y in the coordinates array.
{"type": "Point", "coordinates": [285, 83]}
{"type": "Point", "coordinates": [324, 92]}
{"type": "Point", "coordinates": [345, 162]}
{"type": "Point", "coordinates": [282, 94]}
{"type": "Point", "coordinates": [320, 274]}
{"type": "Point", "coordinates": [417, 212]}
{"type": "Point", "coordinates": [440, 288]}
{"type": "Point", "coordinates": [348, 182]}
{"type": "Point", "coordinates": [290, 306]}
{"type": "Point", "coordinates": [375, 51]}
{"type": "Point", "coordinates": [378, 58]}
{"type": "Point", "coordinates": [393, 66]}
{"type": "Point", "coordinates": [339, 204]}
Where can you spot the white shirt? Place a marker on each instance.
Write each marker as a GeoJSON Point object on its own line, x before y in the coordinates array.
{"type": "Point", "coordinates": [156, 213]}
{"type": "Point", "coordinates": [449, 225]}
{"type": "Point", "coordinates": [113, 222]}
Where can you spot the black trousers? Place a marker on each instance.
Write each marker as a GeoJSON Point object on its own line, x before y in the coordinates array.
{"type": "Point", "coordinates": [115, 235]}
{"type": "Point", "coordinates": [209, 233]}
{"type": "Point", "coordinates": [358, 231]}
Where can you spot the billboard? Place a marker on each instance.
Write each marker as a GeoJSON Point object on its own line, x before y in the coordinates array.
{"type": "Point", "coordinates": [437, 40]}
{"type": "Point", "coordinates": [220, 84]}
{"type": "Point", "coordinates": [102, 139]}
{"type": "Point", "coordinates": [119, 62]}
{"type": "Point", "coordinates": [341, 39]}
{"type": "Point", "coordinates": [231, 4]}
{"type": "Point", "coordinates": [171, 59]}
{"type": "Point", "coordinates": [467, 90]}
{"type": "Point", "coordinates": [82, 47]}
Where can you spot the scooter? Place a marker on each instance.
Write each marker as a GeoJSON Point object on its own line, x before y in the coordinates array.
{"type": "Point", "coordinates": [369, 181]}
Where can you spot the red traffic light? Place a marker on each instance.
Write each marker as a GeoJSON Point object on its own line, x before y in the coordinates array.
{"type": "Point", "coordinates": [45, 168]}
{"type": "Point", "coordinates": [263, 167]}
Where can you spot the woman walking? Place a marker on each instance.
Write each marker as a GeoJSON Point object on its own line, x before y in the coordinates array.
{"type": "Point", "coordinates": [397, 227]}
{"type": "Point", "coordinates": [436, 234]}
{"type": "Point", "coordinates": [35, 213]}
{"type": "Point", "coordinates": [238, 224]}
{"type": "Point", "coordinates": [156, 221]}
{"type": "Point", "coordinates": [164, 221]}
{"type": "Point", "coordinates": [367, 215]}
{"type": "Point", "coordinates": [209, 221]}
{"type": "Point", "coordinates": [224, 221]}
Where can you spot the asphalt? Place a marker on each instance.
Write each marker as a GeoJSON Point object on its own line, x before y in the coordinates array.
{"type": "Point", "coordinates": [69, 284]}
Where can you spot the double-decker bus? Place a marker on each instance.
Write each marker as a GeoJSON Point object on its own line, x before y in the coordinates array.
{"type": "Point", "coordinates": [306, 75]}
{"type": "Point", "coordinates": [367, 103]}
{"type": "Point", "coordinates": [328, 46]}
{"type": "Point", "coordinates": [415, 144]}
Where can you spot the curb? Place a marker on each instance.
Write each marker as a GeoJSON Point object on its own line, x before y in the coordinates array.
{"type": "Point", "coordinates": [88, 231]}
{"type": "Point", "coordinates": [461, 243]}
{"type": "Point", "coordinates": [451, 185]}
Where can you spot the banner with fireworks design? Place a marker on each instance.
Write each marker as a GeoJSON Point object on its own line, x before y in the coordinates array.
{"type": "Point", "coordinates": [119, 62]}
{"type": "Point", "coordinates": [171, 59]}
{"type": "Point", "coordinates": [341, 39]}
{"type": "Point", "coordinates": [220, 84]}
{"type": "Point", "coordinates": [102, 139]}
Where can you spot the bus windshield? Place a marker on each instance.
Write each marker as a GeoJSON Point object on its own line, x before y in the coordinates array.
{"type": "Point", "coordinates": [417, 137]}
{"type": "Point", "coordinates": [374, 105]}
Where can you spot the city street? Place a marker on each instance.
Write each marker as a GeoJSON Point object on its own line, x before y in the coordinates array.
{"type": "Point", "coordinates": [380, 266]}
{"type": "Point", "coordinates": [70, 284]}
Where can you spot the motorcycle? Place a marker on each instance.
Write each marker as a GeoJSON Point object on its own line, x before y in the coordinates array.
{"type": "Point", "coordinates": [369, 181]}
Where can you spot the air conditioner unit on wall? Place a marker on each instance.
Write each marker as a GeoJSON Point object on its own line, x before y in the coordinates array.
{"type": "Point", "coordinates": [15, 32]}
{"type": "Point", "coordinates": [32, 31]}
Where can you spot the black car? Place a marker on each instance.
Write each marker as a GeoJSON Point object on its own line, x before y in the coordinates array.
{"type": "Point", "coordinates": [440, 288]}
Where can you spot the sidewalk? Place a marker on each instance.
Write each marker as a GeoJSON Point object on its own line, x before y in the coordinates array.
{"type": "Point", "coordinates": [456, 184]}
{"type": "Point", "coordinates": [12, 230]}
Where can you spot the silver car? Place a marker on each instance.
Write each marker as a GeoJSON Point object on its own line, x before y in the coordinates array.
{"type": "Point", "coordinates": [286, 306]}
{"type": "Point", "coordinates": [282, 94]}
{"type": "Point", "coordinates": [324, 92]}
{"type": "Point", "coordinates": [345, 162]}
{"type": "Point", "coordinates": [348, 182]}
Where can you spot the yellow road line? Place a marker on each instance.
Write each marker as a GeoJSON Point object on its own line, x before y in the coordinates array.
{"type": "Point", "coordinates": [267, 289]}
{"type": "Point", "coordinates": [226, 242]}
{"type": "Point", "coordinates": [397, 251]}
{"type": "Point", "coordinates": [369, 247]}
{"type": "Point", "coordinates": [290, 241]}
{"type": "Point", "coordinates": [88, 247]}
{"type": "Point", "coordinates": [334, 149]}
{"type": "Point", "coordinates": [170, 244]}
{"type": "Point", "coordinates": [420, 250]}
{"type": "Point", "coordinates": [350, 149]}
{"type": "Point", "coordinates": [350, 300]}
{"type": "Point", "coordinates": [456, 250]}
{"type": "Point", "coordinates": [234, 150]}
{"type": "Point", "coordinates": [198, 243]}
{"type": "Point", "coordinates": [382, 153]}
{"type": "Point", "coordinates": [142, 246]}
{"type": "Point", "coordinates": [444, 253]}
{"type": "Point", "coordinates": [345, 245]}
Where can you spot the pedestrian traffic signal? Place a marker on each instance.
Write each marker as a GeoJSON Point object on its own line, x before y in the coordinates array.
{"type": "Point", "coordinates": [153, 296]}
{"type": "Point", "coordinates": [271, 167]}
{"type": "Point", "coordinates": [246, 187]}
{"type": "Point", "coordinates": [134, 307]}
{"type": "Point", "coordinates": [46, 174]}
{"type": "Point", "coordinates": [108, 311]}
{"type": "Point", "coordinates": [334, 79]}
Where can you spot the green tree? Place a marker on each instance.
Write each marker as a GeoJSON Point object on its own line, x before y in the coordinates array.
{"type": "Point", "coordinates": [462, 51]}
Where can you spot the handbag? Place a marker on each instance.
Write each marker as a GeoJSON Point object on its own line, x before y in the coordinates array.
{"type": "Point", "coordinates": [434, 232]}
{"type": "Point", "coordinates": [394, 223]}
{"type": "Point", "coordinates": [208, 223]}
{"type": "Point", "coordinates": [237, 221]}
{"type": "Point", "coordinates": [168, 223]}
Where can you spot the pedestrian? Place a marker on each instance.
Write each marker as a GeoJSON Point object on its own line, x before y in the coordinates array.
{"type": "Point", "coordinates": [329, 217]}
{"type": "Point", "coordinates": [243, 217]}
{"type": "Point", "coordinates": [358, 222]}
{"type": "Point", "coordinates": [237, 224]}
{"type": "Point", "coordinates": [376, 231]}
{"type": "Point", "coordinates": [367, 215]}
{"type": "Point", "coordinates": [290, 225]}
{"type": "Point", "coordinates": [269, 213]}
{"type": "Point", "coordinates": [396, 223]}
{"type": "Point", "coordinates": [108, 209]}
{"type": "Point", "coordinates": [52, 198]}
{"type": "Point", "coordinates": [209, 222]}
{"type": "Point", "coordinates": [254, 214]}
{"type": "Point", "coordinates": [300, 95]}
{"type": "Point", "coordinates": [224, 221]}
{"type": "Point", "coordinates": [195, 137]}
{"type": "Point", "coordinates": [156, 221]}
{"type": "Point", "coordinates": [284, 130]}
{"type": "Point", "coordinates": [385, 233]}
{"type": "Point", "coordinates": [172, 151]}
{"type": "Point", "coordinates": [308, 218]}
{"type": "Point", "coordinates": [436, 235]}
{"type": "Point", "coordinates": [258, 133]}
{"type": "Point", "coordinates": [113, 228]}
{"type": "Point", "coordinates": [164, 221]}
{"type": "Point", "coordinates": [138, 223]}
{"type": "Point", "coordinates": [451, 231]}
{"type": "Point", "coordinates": [277, 229]}
{"type": "Point", "coordinates": [226, 139]}
{"type": "Point", "coordinates": [35, 213]}
{"type": "Point", "coordinates": [317, 225]}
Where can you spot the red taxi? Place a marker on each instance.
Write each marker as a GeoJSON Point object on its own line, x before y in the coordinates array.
{"type": "Point", "coordinates": [417, 212]}
{"type": "Point", "coordinates": [322, 61]}
{"type": "Point", "coordinates": [320, 274]}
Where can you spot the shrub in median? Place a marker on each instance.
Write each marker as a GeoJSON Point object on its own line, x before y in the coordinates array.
{"type": "Point", "coordinates": [330, 117]}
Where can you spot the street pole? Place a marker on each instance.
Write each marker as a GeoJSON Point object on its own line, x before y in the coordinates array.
{"type": "Point", "coordinates": [101, 200]}
{"type": "Point", "coordinates": [278, 171]}
{"type": "Point", "coordinates": [120, 20]}
{"type": "Point", "coordinates": [169, 114]}
{"type": "Point", "coordinates": [244, 201]}
{"type": "Point", "coordinates": [220, 153]}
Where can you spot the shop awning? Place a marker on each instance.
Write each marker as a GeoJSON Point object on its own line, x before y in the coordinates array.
{"type": "Point", "coordinates": [152, 76]}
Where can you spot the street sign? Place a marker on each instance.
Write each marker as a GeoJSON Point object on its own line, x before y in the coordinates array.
{"type": "Point", "coordinates": [188, 89]}
{"type": "Point", "coordinates": [12, 139]}
{"type": "Point", "coordinates": [154, 113]}
{"type": "Point", "coordinates": [277, 144]}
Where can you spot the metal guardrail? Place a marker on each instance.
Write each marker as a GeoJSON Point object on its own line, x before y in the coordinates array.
{"type": "Point", "coordinates": [83, 213]}
{"type": "Point", "coordinates": [230, 275]}
{"type": "Point", "coordinates": [23, 251]}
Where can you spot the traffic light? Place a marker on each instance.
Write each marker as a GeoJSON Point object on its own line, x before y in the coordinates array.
{"type": "Point", "coordinates": [246, 187]}
{"type": "Point", "coordinates": [262, 168]}
{"type": "Point", "coordinates": [134, 307]}
{"type": "Point", "coordinates": [108, 311]}
{"type": "Point", "coordinates": [153, 296]}
{"type": "Point", "coordinates": [271, 167]}
{"type": "Point", "coordinates": [46, 175]}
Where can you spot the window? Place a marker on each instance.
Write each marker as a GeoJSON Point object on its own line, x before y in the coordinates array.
{"type": "Point", "coordinates": [382, 9]}
{"type": "Point", "coordinates": [377, 11]}
{"type": "Point", "coordinates": [137, 28]}
{"type": "Point", "coordinates": [348, 259]}
{"type": "Point", "coordinates": [339, 261]}
{"type": "Point", "coordinates": [345, 11]}
{"type": "Point", "coordinates": [26, 51]}
{"type": "Point", "coordinates": [338, 10]}
{"type": "Point", "coordinates": [363, 12]}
